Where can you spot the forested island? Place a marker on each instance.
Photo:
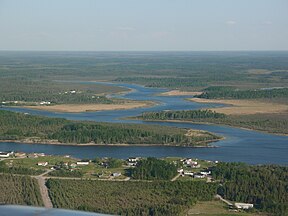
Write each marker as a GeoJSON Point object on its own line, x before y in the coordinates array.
{"type": "Point", "coordinates": [263, 122]}
{"type": "Point", "coordinates": [28, 128]}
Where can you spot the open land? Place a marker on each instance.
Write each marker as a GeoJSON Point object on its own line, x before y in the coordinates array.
{"type": "Point", "coordinates": [180, 93]}
{"type": "Point", "coordinates": [74, 108]}
{"type": "Point", "coordinates": [244, 107]}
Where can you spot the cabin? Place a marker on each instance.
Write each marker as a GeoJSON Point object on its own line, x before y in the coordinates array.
{"type": "Point", "coordinates": [116, 174]}
{"type": "Point", "coordinates": [243, 205]}
{"type": "Point", "coordinates": [189, 173]}
{"type": "Point", "coordinates": [133, 159]}
{"type": "Point", "coordinates": [6, 154]}
{"type": "Point", "coordinates": [199, 176]}
{"type": "Point", "coordinates": [82, 163]}
{"type": "Point", "coordinates": [42, 163]}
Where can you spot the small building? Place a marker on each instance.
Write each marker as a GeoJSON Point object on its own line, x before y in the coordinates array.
{"type": "Point", "coordinates": [82, 162]}
{"type": "Point", "coordinates": [199, 176]}
{"type": "Point", "coordinates": [205, 173]}
{"type": "Point", "coordinates": [4, 154]}
{"type": "Point", "coordinates": [42, 163]}
{"type": "Point", "coordinates": [189, 173]}
{"type": "Point", "coordinates": [133, 159]}
{"type": "Point", "coordinates": [243, 205]}
{"type": "Point", "coordinates": [20, 154]}
{"type": "Point", "coordinates": [180, 170]}
{"type": "Point", "coordinates": [45, 103]}
{"type": "Point", "coordinates": [116, 174]}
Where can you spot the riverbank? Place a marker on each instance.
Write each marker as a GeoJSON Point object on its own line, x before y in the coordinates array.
{"type": "Point", "coordinates": [202, 144]}
{"type": "Point", "coordinates": [77, 108]}
{"type": "Point", "coordinates": [244, 107]}
{"type": "Point", "coordinates": [180, 93]}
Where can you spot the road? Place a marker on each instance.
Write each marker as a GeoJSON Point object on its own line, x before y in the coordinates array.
{"type": "Point", "coordinates": [224, 200]}
{"type": "Point", "coordinates": [43, 189]}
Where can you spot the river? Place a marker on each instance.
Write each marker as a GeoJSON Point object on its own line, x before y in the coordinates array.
{"type": "Point", "coordinates": [240, 145]}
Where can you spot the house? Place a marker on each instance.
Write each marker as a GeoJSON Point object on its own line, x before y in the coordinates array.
{"type": "Point", "coordinates": [180, 170]}
{"type": "Point", "coordinates": [205, 173]}
{"type": "Point", "coordinates": [4, 154]}
{"type": "Point", "coordinates": [82, 163]}
{"type": "Point", "coordinates": [116, 174]}
{"type": "Point", "coordinates": [191, 163]}
{"type": "Point", "coordinates": [189, 173]}
{"type": "Point", "coordinates": [42, 163]}
{"type": "Point", "coordinates": [133, 159]}
{"type": "Point", "coordinates": [45, 103]}
{"type": "Point", "coordinates": [199, 176]}
{"type": "Point", "coordinates": [20, 154]}
{"type": "Point", "coordinates": [243, 205]}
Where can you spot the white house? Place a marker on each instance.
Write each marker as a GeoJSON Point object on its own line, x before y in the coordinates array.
{"type": "Point", "coordinates": [133, 159]}
{"type": "Point", "coordinates": [82, 163]}
{"type": "Point", "coordinates": [199, 176]}
{"type": "Point", "coordinates": [116, 174]}
{"type": "Point", "coordinates": [4, 154]}
{"type": "Point", "coordinates": [42, 163]}
{"type": "Point", "coordinates": [189, 173]}
{"type": "Point", "coordinates": [243, 205]}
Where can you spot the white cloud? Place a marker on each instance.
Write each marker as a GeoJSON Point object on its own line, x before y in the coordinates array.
{"type": "Point", "coordinates": [231, 22]}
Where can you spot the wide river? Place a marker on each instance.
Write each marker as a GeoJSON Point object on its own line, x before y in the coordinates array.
{"type": "Point", "coordinates": [240, 145]}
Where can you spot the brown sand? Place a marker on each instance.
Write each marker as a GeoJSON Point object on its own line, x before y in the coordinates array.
{"type": "Point", "coordinates": [74, 108]}
{"type": "Point", "coordinates": [245, 107]}
{"type": "Point", "coordinates": [180, 93]}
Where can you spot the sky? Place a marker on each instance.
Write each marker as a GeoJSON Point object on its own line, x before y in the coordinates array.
{"type": "Point", "coordinates": [143, 25]}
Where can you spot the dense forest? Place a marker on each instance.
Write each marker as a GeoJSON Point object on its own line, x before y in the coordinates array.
{"type": "Point", "coordinates": [184, 70]}
{"type": "Point", "coordinates": [18, 126]}
{"type": "Point", "coordinates": [272, 123]}
{"type": "Point", "coordinates": [227, 92]}
{"type": "Point", "coordinates": [129, 198]}
{"type": "Point", "coordinates": [265, 186]}
{"type": "Point", "coordinates": [154, 169]}
{"type": "Point", "coordinates": [182, 114]}
{"type": "Point", "coordinates": [21, 190]}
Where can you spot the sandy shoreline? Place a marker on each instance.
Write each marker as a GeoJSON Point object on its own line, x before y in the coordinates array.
{"type": "Point", "coordinates": [179, 93]}
{"type": "Point", "coordinates": [244, 107]}
{"type": "Point", "coordinates": [76, 108]}
{"type": "Point", "coordinates": [210, 123]}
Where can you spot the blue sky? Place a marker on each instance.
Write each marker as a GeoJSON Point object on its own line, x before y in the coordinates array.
{"type": "Point", "coordinates": [132, 25]}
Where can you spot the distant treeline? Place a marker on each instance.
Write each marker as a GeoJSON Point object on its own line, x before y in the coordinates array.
{"type": "Point", "coordinates": [272, 123]}
{"type": "Point", "coordinates": [21, 190]}
{"type": "Point", "coordinates": [183, 114]}
{"type": "Point", "coordinates": [17, 126]}
{"type": "Point", "coordinates": [227, 92]}
{"type": "Point", "coordinates": [264, 186]}
{"type": "Point", "coordinates": [129, 198]}
{"type": "Point", "coordinates": [30, 91]}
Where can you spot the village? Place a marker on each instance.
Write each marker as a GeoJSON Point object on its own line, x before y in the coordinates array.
{"type": "Point", "coordinates": [110, 169]}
